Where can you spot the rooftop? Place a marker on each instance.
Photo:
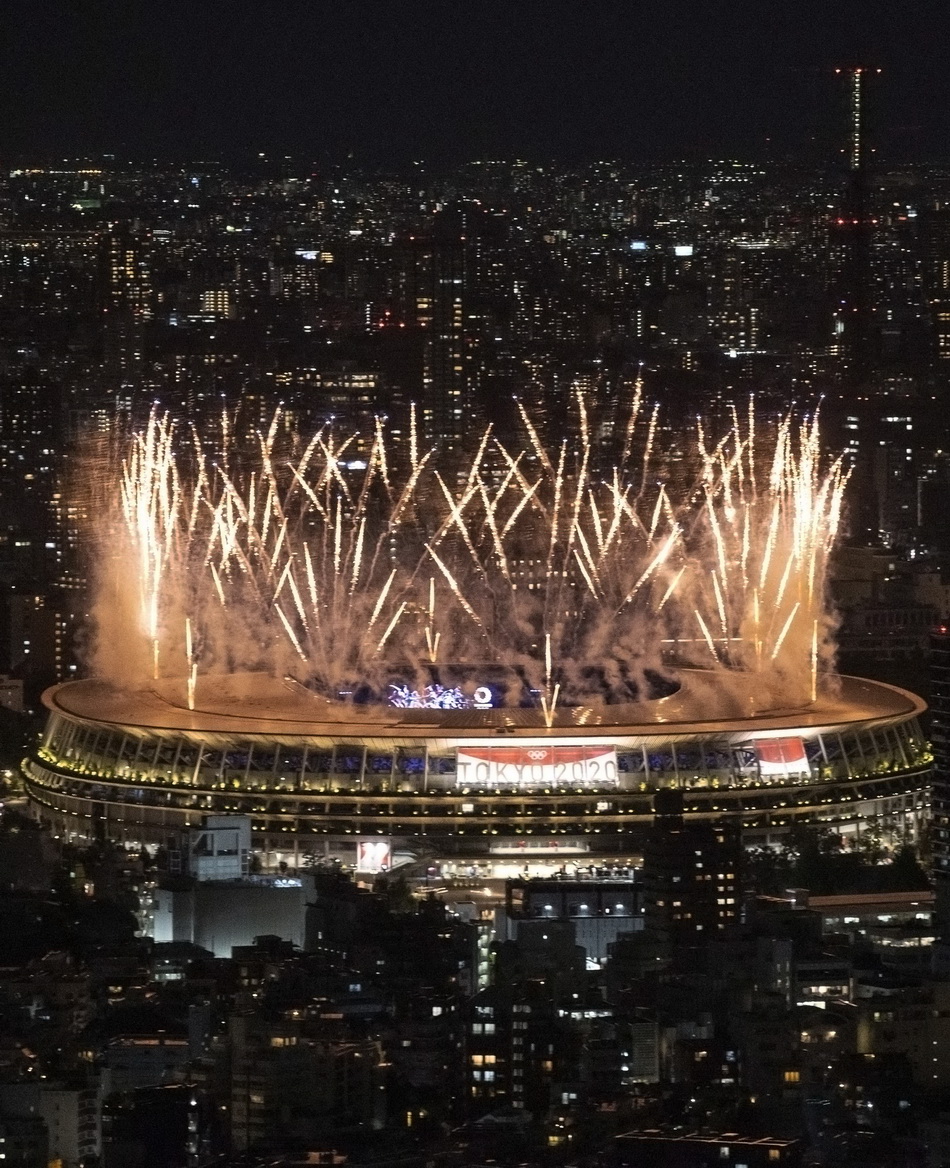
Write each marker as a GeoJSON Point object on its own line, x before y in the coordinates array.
{"type": "Point", "coordinates": [724, 705]}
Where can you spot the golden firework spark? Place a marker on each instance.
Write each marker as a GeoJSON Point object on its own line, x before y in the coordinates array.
{"type": "Point", "coordinates": [254, 540]}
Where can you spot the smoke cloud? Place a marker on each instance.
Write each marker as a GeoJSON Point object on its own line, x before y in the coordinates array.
{"type": "Point", "coordinates": [586, 572]}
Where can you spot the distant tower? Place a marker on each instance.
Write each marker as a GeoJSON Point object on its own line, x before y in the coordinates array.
{"type": "Point", "coordinates": [853, 231]}
{"type": "Point", "coordinates": [851, 238]}
{"type": "Point", "coordinates": [857, 84]}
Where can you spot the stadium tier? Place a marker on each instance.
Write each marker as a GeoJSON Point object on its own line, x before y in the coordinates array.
{"type": "Point", "coordinates": [331, 779]}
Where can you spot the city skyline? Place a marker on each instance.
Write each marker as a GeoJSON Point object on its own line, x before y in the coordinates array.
{"type": "Point", "coordinates": [474, 584]}
{"type": "Point", "coordinates": [391, 84]}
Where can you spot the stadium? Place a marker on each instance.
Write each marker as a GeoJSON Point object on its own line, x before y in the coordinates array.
{"type": "Point", "coordinates": [484, 788]}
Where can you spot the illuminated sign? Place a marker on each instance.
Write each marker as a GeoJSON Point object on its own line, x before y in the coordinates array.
{"type": "Point", "coordinates": [781, 756]}
{"type": "Point", "coordinates": [440, 697]}
{"type": "Point", "coordinates": [373, 855]}
{"type": "Point", "coordinates": [536, 766]}
{"type": "Point", "coordinates": [432, 697]}
{"type": "Point", "coordinates": [683, 249]}
{"type": "Point", "coordinates": [540, 847]}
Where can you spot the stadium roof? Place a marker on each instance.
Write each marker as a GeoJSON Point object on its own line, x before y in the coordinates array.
{"type": "Point", "coordinates": [708, 704]}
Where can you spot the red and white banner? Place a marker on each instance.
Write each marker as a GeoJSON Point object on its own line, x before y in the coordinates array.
{"type": "Point", "coordinates": [781, 756]}
{"type": "Point", "coordinates": [536, 766]}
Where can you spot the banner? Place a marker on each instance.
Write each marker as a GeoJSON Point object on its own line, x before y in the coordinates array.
{"type": "Point", "coordinates": [373, 855]}
{"type": "Point", "coordinates": [781, 757]}
{"type": "Point", "coordinates": [536, 766]}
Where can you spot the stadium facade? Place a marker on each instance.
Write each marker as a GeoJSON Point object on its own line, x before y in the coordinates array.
{"type": "Point", "coordinates": [492, 786]}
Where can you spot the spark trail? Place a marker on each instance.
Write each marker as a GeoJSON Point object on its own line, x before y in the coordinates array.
{"type": "Point", "coordinates": [334, 558]}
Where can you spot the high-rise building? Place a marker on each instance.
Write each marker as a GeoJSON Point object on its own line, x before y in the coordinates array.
{"type": "Point", "coordinates": [934, 228]}
{"type": "Point", "coordinates": [126, 300]}
{"type": "Point", "coordinates": [690, 875]}
{"type": "Point", "coordinates": [441, 312]}
{"type": "Point", "coordinates": [432, 292]}
{"type": "Point", "coordinates": [217, 302]}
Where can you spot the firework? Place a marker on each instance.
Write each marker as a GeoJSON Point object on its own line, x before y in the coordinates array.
{"type": "Point", "coordinates": [333, 559]}
{"type": "Point", "coordinates": [758, 548]}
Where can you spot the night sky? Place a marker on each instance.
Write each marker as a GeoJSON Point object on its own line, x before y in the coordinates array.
{"type": "Point", "coordinates": [449, 81]}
